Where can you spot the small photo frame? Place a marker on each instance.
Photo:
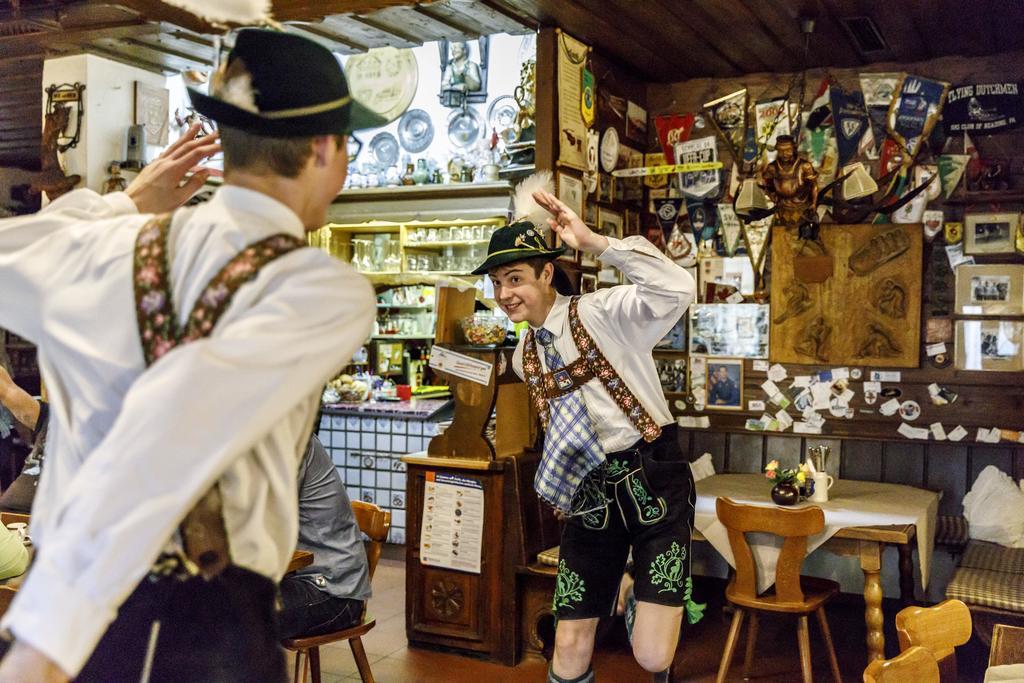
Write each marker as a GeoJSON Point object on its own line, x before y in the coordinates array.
{"type": "Point", "coordinates": [736, 330]}
{"type": "Point", "coordinates": [728, 270]}
{"type": "Point", "coordinates": [609, 223]}
{"type": "Point", "coordinates": [990, 233]}
{"type": "Point", "coordinates": [633, 222]}
{"type": "Point", "coordinates": [590, 214]}
{"type": "Point", "coordinates": [990, 289]}
{"type": "Point", "coordinates": [991, 345]}
{"type": "Point", "coordinates": [570, 255]}
{"type": "Point", "coordinates": [571, 192]}
{"type": "Point", "coordinates": [588, 283]}
{"type": "Point", "coordinates": [723, 384]}
{"type": "Point", "coordinates": [605, 188]}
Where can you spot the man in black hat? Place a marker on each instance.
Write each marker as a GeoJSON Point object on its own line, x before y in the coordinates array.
{"type": "Point", "coordinates": [167, 509]}
{"type": "Point", "coordinates": [611, 465]}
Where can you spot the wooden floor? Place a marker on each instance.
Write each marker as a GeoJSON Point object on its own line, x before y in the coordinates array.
{"type": "Point", "coordinates": [393, 661]}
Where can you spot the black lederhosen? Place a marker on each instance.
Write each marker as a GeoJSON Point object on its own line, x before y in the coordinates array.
{"type": "Point", "coordinates": [651, 501]}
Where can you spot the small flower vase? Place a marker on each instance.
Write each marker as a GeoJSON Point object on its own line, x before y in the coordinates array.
{"type": "Point", "coordinates": [785, 493]}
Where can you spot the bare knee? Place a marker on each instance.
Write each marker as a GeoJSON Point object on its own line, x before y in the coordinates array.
{"type": "Point", "coordinates": [653, 656]}
{"type": "Point", "coordinates": [574, 645]}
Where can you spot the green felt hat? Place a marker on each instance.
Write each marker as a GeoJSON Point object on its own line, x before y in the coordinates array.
{"type": "Point", "coordinates": [516, 242]}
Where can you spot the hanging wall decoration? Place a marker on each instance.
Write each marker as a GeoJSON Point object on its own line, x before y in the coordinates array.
{"type": "Point", "coordinates": [64, 104]}
{"type": "Point", "coordinates": [951, 171]}
{"type": "Point", "coordinates": [771, 120]}
{"type": "Point", "coordinates": [755, 238]}
{"type": "Point", "coordinates": [729, 228]}
{"type": "Point", "coordinates": [152, 111]}
{"type": "Point", "coordinates": [729, 117]}
{"type": "Point", "coordinates": [983, 108]}
{"type": "Point", "coordinates": [698, 184]}
{"type": "Point", "coordinates": [384, 79]}
{"type": "Point", "coordinates": [463, 79]}
{"type": "Point", "coordinates": [878, 90]}
{"type": "Point", "coordinates": [914, 111]}
{"type": "Point", "coordinates": [850, 119]}
{"type": "Point", "coordinates": [572, 130]}
{"type": "Point", "coordinates": [703, 220]}
{"type": "Point", "coordinates": [672, 129]}
{"type": "Point", "coordinates": [867, 313]}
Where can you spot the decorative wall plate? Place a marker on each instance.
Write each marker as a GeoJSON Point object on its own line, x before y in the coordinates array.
{"type": "Point", "coordinates": [502, 113]}
{"type": "Point", "coordinates": [415, 131]}
{"type": "Point", "coordinates": [384, 149]}
{"type": "Point", "coordinates": [383, 79]}
{"type": "Point", "coordinates": [465, 127]}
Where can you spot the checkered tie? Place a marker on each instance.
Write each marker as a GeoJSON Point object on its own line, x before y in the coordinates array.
{"type": "Point", "coordinates": [571, 446]}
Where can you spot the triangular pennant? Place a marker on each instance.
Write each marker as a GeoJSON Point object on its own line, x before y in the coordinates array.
{"type": "Point", "coordinates": [951, 171]}
{"type": "Point", "coordinates": [729, 228]}
{"type": "Point", "coordinates": [755, 236]}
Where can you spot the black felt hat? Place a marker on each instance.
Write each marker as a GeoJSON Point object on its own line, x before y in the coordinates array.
{"type": "Point", "coordinates": [297, 89]}
{"type": "Point", "coordinates": [516, 242]}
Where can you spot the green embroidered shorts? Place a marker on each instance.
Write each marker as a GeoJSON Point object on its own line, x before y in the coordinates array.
{"type": "Point", "coordinates": [651, 498]}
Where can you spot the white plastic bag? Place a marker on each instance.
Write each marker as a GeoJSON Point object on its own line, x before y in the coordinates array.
{"type": "Point", "coordinates": [994, 508]}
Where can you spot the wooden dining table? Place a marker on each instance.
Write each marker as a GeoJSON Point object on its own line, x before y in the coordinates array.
{"type": "Point", "coordinates": [866, 543]}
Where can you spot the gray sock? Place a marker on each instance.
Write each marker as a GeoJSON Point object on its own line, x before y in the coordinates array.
{"type": "Point", "coordinates": [662, 677]}
{"type": "Point", "coordinates": [555, 678]}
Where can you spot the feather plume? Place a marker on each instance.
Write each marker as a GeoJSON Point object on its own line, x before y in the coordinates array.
{"type": "Point", "coordinates": [525, 207]}
{"type": "Point", "coordinates": [223, 12]}
{"type": "Point", "coordinates": [238, 91]}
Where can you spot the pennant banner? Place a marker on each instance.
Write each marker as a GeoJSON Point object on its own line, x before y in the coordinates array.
{"type": "Point", "coordinates": [730, 228]}
{"type": "Point", "coordinates": [984, 107]}
{"type": "Point", "coordinates": [667, 211]}
{"type": "Point", "coordinates": [914, 112]}
{"type": "Point", "coordinates": [700, 183]}
{"type": "Point", "coordinates": [703, 220]}
{"type": "Point", "coordinates": [878, 90]}
{"type": "Point", "coordinates": [951, 171]}
{"type": "Point", "coordinates": [821, 108]}
{"type": "Point", "coordinates": [673, 129]}
{"type": "Point", "coordinates": [772, 120]}
{"type": "Point", "coordinates": [850, 119]}
{"type": "Point", "coordinates": [729, 115]}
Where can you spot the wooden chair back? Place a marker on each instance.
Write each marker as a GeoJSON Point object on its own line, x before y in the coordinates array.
{"type": "Point", "coordinates": [7, 594]}
{"type": "Point", "coordinates": [1007, 645]}
{"type": "Point", "coordinates": [939, 629]}
{"type": "Point", "coordinates": [915, 664]}
{"type": "Point", "coordinates": [793, 525]}
{"type": "Point", "coordinates": [375, 523]}
{"type": "Point", "coordinates": [12, 517]}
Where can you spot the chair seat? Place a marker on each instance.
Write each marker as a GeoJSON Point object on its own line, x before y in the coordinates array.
{"type": "Point", "coordinates": [297, 644]}
{"type": "Point", "coordinates": [816, 593]}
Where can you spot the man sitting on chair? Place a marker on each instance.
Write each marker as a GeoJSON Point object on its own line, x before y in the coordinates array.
{"type": "Point", "coordinates": [329, 594]}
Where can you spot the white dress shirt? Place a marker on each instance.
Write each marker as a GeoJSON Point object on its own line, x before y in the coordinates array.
{"type": "Point", "coordinates": [625, 322]}
{"type": "Point", "coordinates": [131, 450]}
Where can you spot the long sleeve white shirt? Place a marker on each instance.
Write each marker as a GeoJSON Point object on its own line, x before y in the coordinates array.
{"type": "Point", "coordinates": [625, 322]}
{"type": "Point", "coordinates": [130, 450]}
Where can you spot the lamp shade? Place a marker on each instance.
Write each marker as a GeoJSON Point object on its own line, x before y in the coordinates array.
{"type": "Point", "coordinates": [751, 202]}
{"type": "Point", "coordinates": [859, 184]}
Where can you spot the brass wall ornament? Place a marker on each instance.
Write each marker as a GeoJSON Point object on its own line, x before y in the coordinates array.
{"type": "Point", "coordinates": [66, 96]}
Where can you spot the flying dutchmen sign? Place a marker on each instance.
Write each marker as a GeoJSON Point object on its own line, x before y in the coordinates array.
{"type": "Point", "coordinates": [984, 107]}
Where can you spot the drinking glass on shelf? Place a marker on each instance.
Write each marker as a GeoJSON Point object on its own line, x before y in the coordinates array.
{"type": "Point", "coordinates": [444, 234]}
{"type": "Point", "coordinates": [478, 233]}
{"type": "Point", "coordinates": [392, 255]}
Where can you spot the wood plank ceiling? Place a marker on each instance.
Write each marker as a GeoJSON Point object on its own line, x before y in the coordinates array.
{"type": "Point", "coordinates": [660, 40]}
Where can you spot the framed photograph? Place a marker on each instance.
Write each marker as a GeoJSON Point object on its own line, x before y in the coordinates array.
{"type": "Point", "coordinates": [737, 330]}
{"type": "Point", "coordinates": [723, 384]}
{"type": "Point", "coordinates": [570, 255]}
{"type": "Point", "coordinates": [588, 283]}
{"type": "Point", "coordinates": [633, 223]}
{"type": "Point", "coordinates": [672, 373]}
{"type": "Point", "coordinates": [605, 188]}
{"type": "Point", "coordinates": [728, 270]}
{"type": "Point", "coordinates": [590, 214]}
{"type": "Point", "coordinates": [609, 223]}
{"type": "Point", "coordinates": [990, 233]}
{"type": "Point", "coordinates": [571, 192]}
{"type": "Point", "coordinates": [993, 345]}
{"type": "Point", "coordinates": [676, 337]}
{"type": "Point", "coordinates": [991, 289]}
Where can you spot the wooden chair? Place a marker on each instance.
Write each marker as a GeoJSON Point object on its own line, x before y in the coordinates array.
{"type": "Point", "coordinates": [792, 594]}
{"type": "Point", "coordinates": [915, 664]}
{"type": "Point", "coordinates": [1007, 645]}
{"type": "Point", "coordinates": [375, 523]}
{"type": "Point", "coordinates": [939, 629]}
{"type": "Point", "coordinates": [7, 594]}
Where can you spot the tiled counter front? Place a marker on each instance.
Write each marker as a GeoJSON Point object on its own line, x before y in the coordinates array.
{"type": "Point", "coordinates": [367, 452]}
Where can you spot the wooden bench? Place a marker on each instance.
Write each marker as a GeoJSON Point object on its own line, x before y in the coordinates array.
{"type": "Point", "coordinates": [990, 580]}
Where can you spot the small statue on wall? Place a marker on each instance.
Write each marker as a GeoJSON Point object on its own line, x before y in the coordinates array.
{"type": "Point", "coordinates": [52, 179]}
{"type": "Point", "coordinates": [462, 80]}
{"type": "Point", "coordinates": [815, 339]}
{"type": "Point", "coordinates": [116, 182]}
{"type": "Point", "coordinates": [891, 298]}
{"type": "Point", "coordinates": [791, 182]}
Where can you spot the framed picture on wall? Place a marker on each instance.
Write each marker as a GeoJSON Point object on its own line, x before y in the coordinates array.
{"type": "Point", "coordinates": [990, 289]}
{"type": "Point", "coordinates": [609, 223]}
{"type": "Point", "coordinates": [571, 192]}
{"type": "Point", "coordinates": [738, 330]}
{"type": "Point", "coordinates": [723, 384]}
{"type": "Point", "coordinates": [605, 188]}
{"type": "Point", "coordinates": [588, 283]}
{"type": "Point", "coordinates": [990, 233]}
{"type": "Point", "coordinates": [994, 345]}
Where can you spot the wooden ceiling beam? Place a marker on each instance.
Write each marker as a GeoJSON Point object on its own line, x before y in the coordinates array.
{"type": "Point", "coordinates": [455, 25]}
{"type": "Point", "coordinates": [320, 30]}
{"type": "Point", "coordinates": [130, 60]}
{"type": "Point", "coordinates": [403, 39]}
{"type": "Point", "coordinates": [706, 24]}
{"type": "Point", "coordinates": [195, 60]}
{"type": "Point", "coordinates": [526, 22]}
{"type": "Point", "coordinates": [78, 36]}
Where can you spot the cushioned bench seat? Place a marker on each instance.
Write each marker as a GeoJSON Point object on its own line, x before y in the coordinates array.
{"type": "Point", "coordinates": [990, 579]}
{"type": "Point", "coordinates": [951, 532]}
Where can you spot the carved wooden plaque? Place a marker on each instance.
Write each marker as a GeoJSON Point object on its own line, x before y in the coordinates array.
{"type": "Point", "coordinates": [862, 309]}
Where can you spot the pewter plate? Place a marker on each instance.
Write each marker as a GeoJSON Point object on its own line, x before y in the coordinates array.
{"type": "Point", "coordinates": [464, 127]}
{"type": "Point", "coordinates": [415, 131]}
{"type": "Point", "coordinates": [384, 149]}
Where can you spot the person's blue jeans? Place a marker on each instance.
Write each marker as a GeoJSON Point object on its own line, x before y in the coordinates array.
{"type": "Point", "coordinates": [308, 611]}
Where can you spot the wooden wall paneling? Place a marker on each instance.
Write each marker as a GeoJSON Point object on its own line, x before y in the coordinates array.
{"type": "Point", "coordinates": [983, 456]}
{"type": "Point", "coordinates": [701, 52]}
{"type": "Point", "coordinates": [787, 449]}
{"type": "Point", "coordinates": [862, 460]}
{"type": "Point", "coordinates": [746, 453]}
{"type": "Point", "coordinates": [947, 472]}
{"type": "Point", "coordinates": [546, 115]}
{"type": "Point", "coordinates": [420, 25]}
{"type": "Point", "coordinates": [715, 443]}
{"type": "Point", "coordinates": [769, 49]}
{"type": "Point", "coordinates": [358, 31]}
{"type": "Point", "coordinates": [710, 18]}
{"type": "Point", "coordinates": [904, 463]}
{"type": "Point", "coordinates": [783, 23]}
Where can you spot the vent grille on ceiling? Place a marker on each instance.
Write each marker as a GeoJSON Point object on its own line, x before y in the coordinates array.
{"type": "Point", "coordinates": [865, 34]}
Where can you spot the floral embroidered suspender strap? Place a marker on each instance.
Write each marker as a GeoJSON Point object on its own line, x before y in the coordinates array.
{"type": "Point", "coordinates": [541, 386]}
{"type": "Point", "coordinates": [202, 529]}
{"type": "Point", "coordinates": [626, 400]}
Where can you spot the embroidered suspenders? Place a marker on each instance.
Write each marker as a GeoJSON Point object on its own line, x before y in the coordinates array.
{"type": "Point", "coordinates": [202, 530]}
{"type": "Point", "coordinates": [591, 363]}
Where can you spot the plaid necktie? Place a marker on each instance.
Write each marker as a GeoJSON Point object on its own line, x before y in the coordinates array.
{"type": "Point", "coordinates": [571, 447]}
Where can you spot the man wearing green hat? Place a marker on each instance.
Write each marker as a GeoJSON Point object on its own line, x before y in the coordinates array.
{"type": "Point", "coordinates": [184, 350]}
{"type": "Point", "coordinates": [611, 464]}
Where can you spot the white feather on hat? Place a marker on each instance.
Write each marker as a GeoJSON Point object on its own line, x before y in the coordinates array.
{"type": "Point", "coordinates": [525, 207]}
{"type": "Point", "coordinates": [222, 12]}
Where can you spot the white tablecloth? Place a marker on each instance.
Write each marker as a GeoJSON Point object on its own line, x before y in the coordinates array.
{"type": "Point", "coordinates": [851, 504]}
{"type": "Point", "coordinates": [1007, 673]}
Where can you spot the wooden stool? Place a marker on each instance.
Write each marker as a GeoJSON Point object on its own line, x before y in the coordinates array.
{"type": "Point", "coordinates": [793, 594]}
{"type": "Point", "coordinates": [375, 523]}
